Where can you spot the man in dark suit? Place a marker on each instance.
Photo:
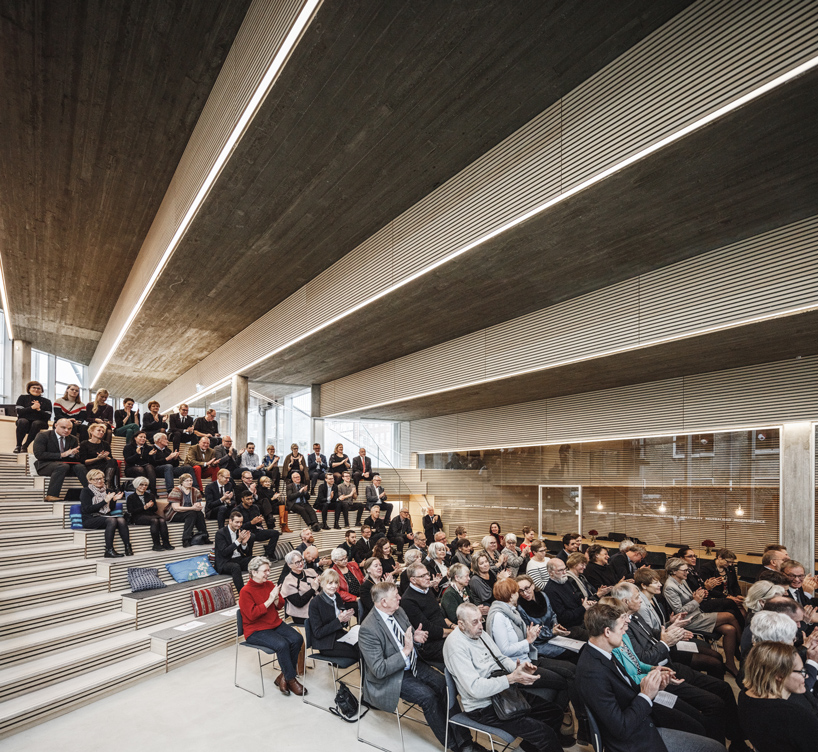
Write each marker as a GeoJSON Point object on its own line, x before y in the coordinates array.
{"type": "Point", "coordinates": [431, 523]}
{"type": "Point", "coordinates": [376, 496]}
{"type": "Point", "coordinates": [363, 548]}
{"type": "Point", "coordinates": [57, 453]}
{"type": "Point", "coordinates": [421, 606]}
{"type": "Point", "coordinates": [220, 497]}
{"type": "Point", "coordinates": [298, 496]}
{"type": "Point", "coordinates": [328, 499]}
{"type": "Point", "coordinates": [361, 467]}
{"type": "Point", "coordinates": [393, 669]}
{"type": "Point", "coordinates": [566, 601]}
{"type": "Point", "coordinates": [622, 709]}
{"type": "Point", "coordinates": [570, 545]}
{"type": "Point", "coordinates": [234, 549]}
{"type": "Point", "coordinates": [181, 428]}
{"type": "Point", "coordinates": [625, 563]}
{"type": "Point", "coordinates": [376, 523]}
{"type": "Point", "coordinates": [801, 588]}
{"type": "Point", "coordinates": [316, 466]}
{"type": "Point", "coordinates": [400, 531]}
{"type": "Point", "coordinates": [253, 519]}
{"type": "Point", "coordinates": [166, 461]}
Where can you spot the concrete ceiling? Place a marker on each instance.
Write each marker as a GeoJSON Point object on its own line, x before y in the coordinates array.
{"type": "Point", "coordinates": [97, 103]}
{"type": "Point", "coordinates": [379, 104]}
{"type": "Point", "coordinates": [743, 175]}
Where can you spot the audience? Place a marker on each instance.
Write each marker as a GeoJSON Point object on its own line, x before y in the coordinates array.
{"type": "Point", "coordinates": [575, 566]}
{"type": "Point", "coordinates": [496, 533]}
{"type": "Point", "coordinates": [126, 420]}
{"type": "Point", "coordinates": [537, 568]}
{"type": "Point", "coordinates": [436, 565]}
{"type": "Point", "coordinates": [299, 587]}
{"type": "Point", "coordinates": [227, 458]}
{"type": "Point", "coordinates": [250, 462]}
{"type": "Point", "coordinates": [316, 466]}
{"type": "Point", "coordinates": [297, 501]}
{"type": "Point", "coordinates": [361, 468]}
{"type": "Point", "coordinates": [413, 556]}
{"type": "Point", "coordinates": [70, 407]}
{"type": "Point", "coordinates": [138, 457]}
{"type": "Point", "coordinates": [383, 551]}
{"type": "Point", "coordinates": [271, 469]}
{"type": "Point", "coordinates": [329, 619]}
{"type": "Point", "coordinates": [349, 587]}
{"type": "Point", "coordinates": [294, 462]}
{"type": "Point", "coordinates": [365, 546]}
{"type": "Point", "coordinates": [57, 452]}
{"type": "Point", "coordinates": [626, 561]}
{"type": "Point", "coordinates": [431, 523]}
{"type": "Point", "coordinates": [346, 501]}
{"type": "Point", "coordinates": [801, 588]}
{"type": "Point", "coordinates": [463, 553]}
{"type": "Point", "coordinates": [95, 454]}
{"type": "Point", "coordinates": [33, 413]}
{"type": "Point", "coordinates": [460, 534]}
{"type": "Point", "coordinates": [153, 422]}
{"type": "Point", "coordinates": [253, 521]}
{"type": "Point", "coordinates": [144, 510]}
{"type": "Point", "coordinates": [528, 538]}
{"type": "Point", "coordinates": [180, 430]}
{"type": "Point", "coordinates": [375, 522]}
{"type": "Point", "coordinates": [259, 602]}
{"type": "Point", "coordinates": [234, 549]}
{"type": "Point", "coordinates": [481, 585]}
{"type": "Point", "coordinates": [97, 506]}
{"type": "Point", "coordinates": [208, 426]}
{"type": "Point", "coordinates": [570, 545]}
{"type": "Point", "coordinates": [373, 574]}
{"type": "Point", "coordinates": [203, 460]}
{"type": "Point", "coordinates": [421, 606]}
{"type": "Point", "coordinates": [715, 600]}
{"type": "Point", "coordinates": [100, 412]}
{"type": "Point", "coordinates": [400, 530]}
{"type": "Point", "coordinates": [327, 499]}
{"type": "Point", "coordinates": [569, 607]}
{"type": "Point", "coordinates": [220, 498]}
{"type": "Point", "coordinates": [185, 505]}
{"type": "Point", "coordinates": [338, 463]}
{"type": "Point", "coordinates": [166, 462]}
{"type": "Point", "coordinates": [457, 593]}
{"type": "Point", "coordinates": [722, 568]}
{"type": "Point", "coordinates": [535, 609]}
{"type": "Point", "coordinates": [774, 556]}
{"type": "Point", "coordinates": [599, 572]}
{"type": "Point", "coordinates": [268, 503]}
{"type": "Point", "coordinates": [375, 495]}
{"type": "Point", "coordinates": [513, 556]}
{"type": "Point", "coordinates": [419, 543]}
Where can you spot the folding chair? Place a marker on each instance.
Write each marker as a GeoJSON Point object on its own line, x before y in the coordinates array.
{"type": "Point", "coordinates": [259, 650]}
{"type": "Point", "coordinates": [596, 737]}
{"type": "Point", "coordinates": [334, 663]}
{"type": "Point", "coordinates": [461, 719]}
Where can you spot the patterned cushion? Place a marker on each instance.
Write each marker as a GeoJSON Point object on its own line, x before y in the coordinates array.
{"type": "Point", "coordinates": [75, 515]}
{"type": "Point", "coordinates": [144, 578]}
{"type": "Point", "coordinates": [190, 569]}
{"type": "Point", "coordinates": [282, 549]}
{"type": "Point", "coordinates": [208, 600]}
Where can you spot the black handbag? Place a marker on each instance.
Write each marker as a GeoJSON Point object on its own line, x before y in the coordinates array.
{"type": "Point", "coordinates": [346, 706]}
{"type": "Point", "coordinates": [510, 704]}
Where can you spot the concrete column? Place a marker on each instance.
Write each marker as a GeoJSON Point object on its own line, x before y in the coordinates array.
{"type": "Point", "coordinates": [316, 424]}
{"type": "Point", "coordinates": [20, 367]}
{"type": "Point", "coordinates": [798, 492]}
{"type": "Point", "coordinates": [239, 404]}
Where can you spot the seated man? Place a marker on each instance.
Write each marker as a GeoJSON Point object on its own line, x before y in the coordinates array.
{"type": "Point", "coordinates": [375, 495]}
{"type": "Point", "coordinates": [220, 498]}
{"type": "Point", "coordinates": [570, 545]}
{"type": "Point", "coordinates": [254, 521]}
{"type": "Point", "coordinates": [347, 500]}
{"type": "Point", "coordinates": [57, 453]}
{"type": "Point", "coordinates": [472, 659]}
{"type": "Point", "coordinates": [298, 501]}
{"type": "Point", "coordinates": [234, 549]}
{"type": "Point", "coordinates": [166, 462]}
{"type": "Point", "coordinates": [568, 605]}
{"type": "Point", "coordinates": [246, 484]}
{"type": "Point", "coordinates": [203, 461]}
{"type": "Point", "coordinates": [400, 531]}
{"type": "Point", "coordinates": [622, 709]}
{"type": "Point", "coordinates": [226, 454]}
{"type": "Point", "coordinates": [625, 563]}
{"type": "Point", "coordinates": [328, 499]}
{"type": "Point", "coordinates": [376, 523]}
{"type": "Point", "coordinates": [250, 462]}
{"type": "Point", "coordinates": [419, 543]}
{"type": "Point", "coordinates": [350, 538]}
{"type": "Point", "coordinates": [431, 523]}
{"type": "Point", "coordinates": [316, 466]}
{"type": "Point", "coordinates": [208, 426]}
{"type": "Point", "coordinates": [421, 606]}
{"type": "Point", "coordinates": [361, 467]}
{"type": "Point", "coordinates": [460, 534]}
{"type": "Point", "coordinates": [181, 428]}
{"type": "Point", "coordinates": [392, 669]}
{"type": "Point", "coordinates": [366, 543]}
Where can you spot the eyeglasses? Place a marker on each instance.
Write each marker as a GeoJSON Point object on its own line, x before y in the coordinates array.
{"type": "Point", "coordinates": [801, 671]}
{"type": "Point", "coordinates": [525, 589]}
{"type": "Point", "coordinates": [797, 576]}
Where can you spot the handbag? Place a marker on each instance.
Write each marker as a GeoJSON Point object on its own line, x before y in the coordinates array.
{"type": "Point", "coordinates": [510, 704]}
{"type": "Point", "coordinates": [346, 706]}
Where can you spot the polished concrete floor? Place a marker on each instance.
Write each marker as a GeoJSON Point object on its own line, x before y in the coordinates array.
{"type": "Point", "coordinates": [196, 707]}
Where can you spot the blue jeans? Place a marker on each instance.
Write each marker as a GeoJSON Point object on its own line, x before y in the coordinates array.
{"type": "Point", "coordinates": [170, 472]}
{"type": "Point", "coordinates": [286, 643]}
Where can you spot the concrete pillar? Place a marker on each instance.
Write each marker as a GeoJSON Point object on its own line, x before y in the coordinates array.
{"type": "Point", "coordinates": [20, 367]}
{"type": "Point", "coordinates": [798, 492]}
{"type": "Point", "coordinates": [239, 404]}
{"type": "Point", "coordinates": [316, 424]}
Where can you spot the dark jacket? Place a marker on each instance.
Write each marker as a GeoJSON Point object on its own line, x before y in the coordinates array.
{"type": "Point", "coordinates": [104, 413]}
{"type": "Point", "coordinates": [47, 448]}
{"type": "Point", "coordinates": [160, 457]}
{"type": "Point", "coordinates": [378, 527]}
{"type": "Point", "coordinates": [325, 627]}
{"type": "Point", "coordinates": [730, 586]}
{"type": "Point", "coordinates": [87, 506]}
{"type": "Point", "coordinates": [362, 549]}
{"type": "Point", "coordinates": [315, 467]}
{"type": "Point", "coordinates": [599, 576]}
{"type": "Point", "coordinates": [120, 415]}
{"type": "Point", "coordinates": [151, 426]}
{"type": "Point", "coordinates": [213, 497]}
{"type": "Point", "coordinates": [423, 608]}
{"type": "Point", "coordinates": [620, 564]}
{"type": "Point", "coordinates": [399, 527]}
{"type": "Point", "coordinates": [136, 507]}
{"type": "Point", "coordinates": [296, 496]}
{"type": "Point", "coordinates": [179, 423]}
{"type": "Point", "coordinates": [566, 603]}
{"type": "Point", "coordinates": [362, 467]}
{"type": "Point", "coordinates": [430, 528]}
{"type": "Point", "coordinates": [24, 409]}
{"type": "Point", "coordinates": [321, 498]}
{"type": "Point", "coordinates": [136, 455]}
{"type": "Point", "coordinates": [225, 547]}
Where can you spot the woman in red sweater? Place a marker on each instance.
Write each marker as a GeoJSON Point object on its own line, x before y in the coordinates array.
{"type": "Point", "coordinates": [259, 601]}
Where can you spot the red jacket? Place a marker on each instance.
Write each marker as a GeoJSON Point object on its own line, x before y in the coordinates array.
{"type": "Point", "coordinates": [254, 614]}
{"type": "Point", "coordinates": [343, 587]}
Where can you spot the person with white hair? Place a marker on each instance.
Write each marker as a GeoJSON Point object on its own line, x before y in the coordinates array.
{"type": "Point", "coordinates": [435, 563]}
{"type": "Point", "coordinates": [770, 626]}
{"type": "Point", "coordinates": [299, 587]}
{"type": "Point", "coordinates": [514, 558]}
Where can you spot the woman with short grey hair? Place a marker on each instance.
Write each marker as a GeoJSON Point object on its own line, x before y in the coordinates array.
{"type": "Point", "coordinates": [299, 587]}
{"type": "Point", "coordinates": [770, 626]}
{"type": "Point", "coordinates": [257, 562]}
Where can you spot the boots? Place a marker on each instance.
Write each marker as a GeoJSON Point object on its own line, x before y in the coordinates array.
{"type": "Point", "coordinates": [282, 516]}
{"type": "Point", "coordinates": [324, 525]}
{"type": "Point", "coordinates": [302, 654]}
{"type": "Point", "coordinates": [111, 479]}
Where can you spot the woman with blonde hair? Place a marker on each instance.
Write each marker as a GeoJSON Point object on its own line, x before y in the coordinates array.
{"type": "Point", "coordinates": [100, 412]}
{"type": "Point", "coordinates": [329, 619]}
{"type": "Point", "coordinates": [97, 505]}
{"type": "Point", "coordinates": [339, 463]}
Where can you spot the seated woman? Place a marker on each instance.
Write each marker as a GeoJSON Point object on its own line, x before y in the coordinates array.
{"type": "Point", "coordinates": [339, 463]}
{"type": "Point", "coordinates": [351, 576]}
{"type": "Point", "coordinates": [33, 414]}
{"type": "Point", "coordinates": [96, 454]}
{"type": "Point", "coordinates": [144, 510]}
{"type": "Point", "coordinates": [435, 562]}
{"type": "Point", "coordinates": [100, 412]}
{"type": "Point", "coordinates": [70, 408]}
{"type": "Point", "coordinates": [138, 460]}
{"type": "Point", "coordinates": [329, 619]}
{"type": "Point", "coordinates": [185, 505]}
{"type": "Point", "coordinates": [537, 568]}
{"type": "Point", "coordinates": [535, 609]}
{"type": "Point", "coordinates": [383, 551]}
{"type": "Point", "coordinates": [575, 566]}
{"type": "Point", "coordinates": [657, 616]}
{"type": "Point", "coordinates": [259, 602]}
{"type": "Point", "coordinates": [412, 556]}
{"type": "Point", "coordinates": [463, 553]}
{"type": "Point", "coordinates": [373, 574]}
{"type": "Point", "coordinates": [481, 585]}
{"type": "Point", "coordinates": [496, 533]}
{"type": "Point", "coordinates": [153, 422]}
{"type": "Point", "coordinates": [96, 505]}
{"type": "Point", "coordinates": [757, 596]}
{"type": "Point", "coordinates": [598, 572]}
{"type": "Point", "coordinates": [299, 587]}
{"type": "Point", "coordinates": [498, 559]}
{"type": "Point", "coordinates": [513, 555]}
{"type": "Point", "coordinates": [457, 593]}
{"type": "Point", "coordinates": [268, 504]}
{"type": "Point", "coordinates": [681, 599]}
{"type": "Point", "coordinates": [295, 462]}
{"type": "Point", "coordinates": [774, 672]}
{"type": "Point", "coordinates": [126, 420]}
{"type": "Point", "coordinates": [723, 567]}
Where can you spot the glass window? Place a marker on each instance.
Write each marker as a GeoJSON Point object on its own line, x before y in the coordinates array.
{"type": "Point", "coordinates": [39, 372]}
{"type": "Point", "coordinates": [68, 373]}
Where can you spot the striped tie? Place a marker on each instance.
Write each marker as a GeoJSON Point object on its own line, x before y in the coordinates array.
{"type": "Point", "coordinates": [413, 660]}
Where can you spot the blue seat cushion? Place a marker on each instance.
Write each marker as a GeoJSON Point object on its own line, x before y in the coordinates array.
{"type": "Point", "coordinates": [75, 515]}
{"type": "Point", "coordinates": [190, 569]}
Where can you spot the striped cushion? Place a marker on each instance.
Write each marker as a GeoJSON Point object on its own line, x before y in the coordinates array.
{"type": "Point", "coordinates": [282, 549]}
{"type": "Point", "coordinates": [75, 515]}
{"type": "Point", "coordinates": [208, 600]}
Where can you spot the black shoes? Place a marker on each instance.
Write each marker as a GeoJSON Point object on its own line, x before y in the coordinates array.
{"type": "Point", "coordinates": [157, 547]}
{"type": "Point", "coordinates": [316, 528]}
{"type": "Point", "coordinates": [18, 450]}
{"type": "Point", "coordinates": [128, 550]}
{"type": "Point", "coordinates": [111, 554]}
{"type": "Point", "coordinates": [168, 547]}
{"type": "Point", "coordinates": [186, 544]}
{"type": "Point", "coordinates": [335, 527]}
{"type": "Point", "coordinates": [325, 526]}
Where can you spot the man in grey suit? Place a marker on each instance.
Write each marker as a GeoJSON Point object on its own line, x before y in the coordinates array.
{"type": "Point", "coordinates": [393, 669]}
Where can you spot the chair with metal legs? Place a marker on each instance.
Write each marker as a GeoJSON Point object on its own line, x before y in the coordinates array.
{"type": "Point", "coordinates": [343, 664]}
{"type": "Point", "coordinates": [593, 728]}
{"type": "Point", "coordinates": [259, 650]}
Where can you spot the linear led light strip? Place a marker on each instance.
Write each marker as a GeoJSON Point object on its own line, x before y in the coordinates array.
{"type": "Point", "coordinates": [593, 180]}
{"type": "Point", "coordinates": [590, 356]}
{"type": "Point", "coordinates": [247, 115]}
{"type": "Point", "coordinates": [5, 300]}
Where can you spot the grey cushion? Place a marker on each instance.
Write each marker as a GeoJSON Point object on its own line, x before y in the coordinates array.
{"type": "Point", "coordinates": [144, 578]}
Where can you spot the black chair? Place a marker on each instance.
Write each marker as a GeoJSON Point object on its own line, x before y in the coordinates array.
{"type": "Point", "coordinates": [747, 571]}
{"type": "Point", "coordinates": [334, 663]}
{"type": "Point", "coordinates": [656, 559]}
{"type": "Point", "coordinates": [593, 728]}
{"type": "Point", "coordinates": [259, 650]}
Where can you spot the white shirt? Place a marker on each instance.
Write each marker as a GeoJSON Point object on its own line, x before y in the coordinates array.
{"type": "Point", "coordinates": [407, 659]}
{"type": "Point", "coordinates": [234, 537]}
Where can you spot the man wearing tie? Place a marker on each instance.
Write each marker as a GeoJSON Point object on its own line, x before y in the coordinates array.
{"type": "Point", "coordinates": [316, 466]}
{"type": "Point", "coordinates": [361, 467]}
{"type": "Point", "coordinates": [625, 563]}
{"type": "Point", "coordinates": [181, 428]}
{"type": "Point", "coordinates": [57, 453]}
{"type": "Point", "coordinates": [375, 495]}
{"type": "Point", "coordinates": [362, 550]}
{"type": "Point", "coordinates": [801, 588]}
{"type": "Point", "coordinates": [392, 671]}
